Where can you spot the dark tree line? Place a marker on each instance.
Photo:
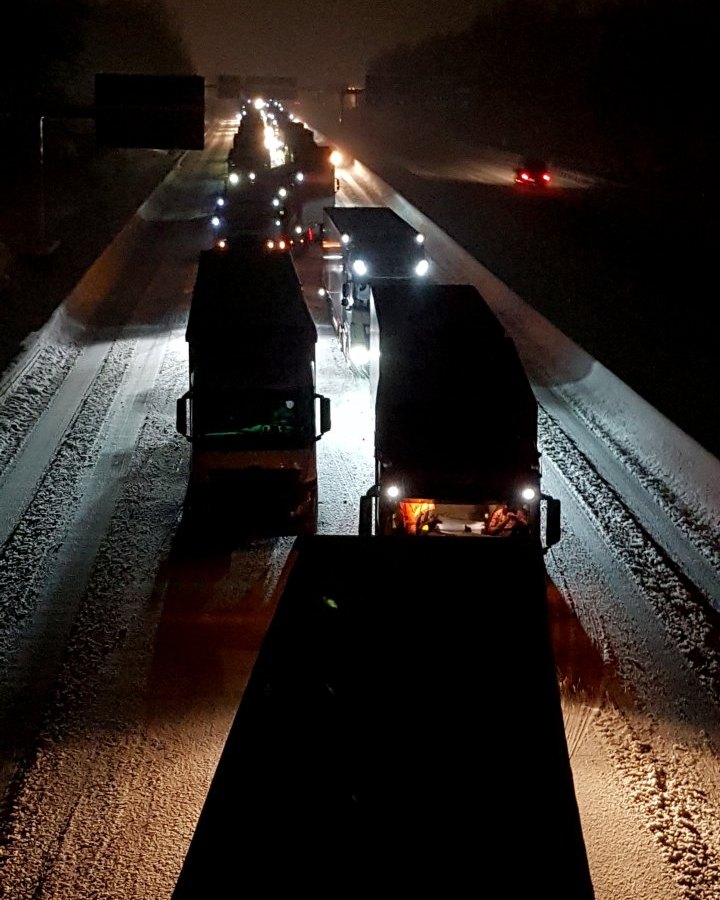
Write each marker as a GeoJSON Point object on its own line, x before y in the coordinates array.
{"type": "Point", "coordinates": [628, 78]}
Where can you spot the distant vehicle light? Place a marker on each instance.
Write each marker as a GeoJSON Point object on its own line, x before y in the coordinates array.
{"type": "Point", "coordinates": [359, 355]}
{"type": "Point", "coordinates": [299, 176]}
{"type": "Point", "coordinates": [234, 178]}
{"type": "Point", "coordinates": [535, 173]}
{"type": "Point", "coordinates": [275, 202]}
{"type": "Point", "coordinates": [251, 176]}
{"type": "Point", "coordinates": [345, 238]}
{"type": "Point", "coordinates": [298, 229]}
{"type": "Point", "coordinates": [359, 267]}
{"type": "Point", "coordinates": [270, 140]}
{"type": "Point", "coordinates": [528, 493]}
{"type": "Point", "coordinates": [282, 192]}
{"type": "Point", "coordinates": [422, 267]}
{"type": "Point", "coordinates": [282, 245]}
{"type": "Point", "coordinates": [270, 244]}
{"type": "Point", "coordinates": [420, 238]}
{"type": "Point", "coordinates": [221, 244]}
{"type": "Point", "coordinates": [321, 292]}
{"type": "Point", "coordinates": [215, 221]}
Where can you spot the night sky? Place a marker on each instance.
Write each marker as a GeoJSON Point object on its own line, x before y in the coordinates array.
{"type": "Point", "coordinates": [319, 44]}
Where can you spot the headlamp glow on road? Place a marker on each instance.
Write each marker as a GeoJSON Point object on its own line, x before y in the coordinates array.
{"type": "Point", "coordinates": [359, 355]}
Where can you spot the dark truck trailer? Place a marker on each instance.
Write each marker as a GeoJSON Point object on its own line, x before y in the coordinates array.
{"type": "Point", "coordinates": [250, 216]}
{"type": "Point", "coordinates": [364, 246]}
{"type": "Point", "coordinates": [251, 413]}
{"type": "Point", "coordinates": [248, 151]}
{"type": "Point", "coordinates": [456, 420]}
{"type": "Point", "coordinates": [380, 749]}
{"type": "Point", "coordinates": [299, 140]}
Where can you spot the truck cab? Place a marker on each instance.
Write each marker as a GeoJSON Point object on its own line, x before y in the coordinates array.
{"type": "Point", "coordinates": [362, 247]}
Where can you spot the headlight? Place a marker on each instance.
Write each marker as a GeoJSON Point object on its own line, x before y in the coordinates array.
{"type": "Point", "coordinates": [336, 158]}
{"type": "Point", "coordinates": [359, 355]}
{"type": "Point", "coordinates": [359, 267]}
{"type": "Point", "coordinates": [422, 267]}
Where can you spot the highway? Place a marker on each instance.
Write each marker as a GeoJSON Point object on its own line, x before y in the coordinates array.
{"type": "Point", "coordinates": [126, 650]}
{"type": "Point", "coordinates": [623, 270]}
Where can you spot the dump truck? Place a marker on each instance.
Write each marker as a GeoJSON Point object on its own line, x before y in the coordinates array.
{"type": "Point", "coordinates": [364, 246]}
{"type": "Point", "coordinates": [251, 412]}
{"type": "Point", "coordinates": [379, 749]}
{"type": "Point", "coordinates": [456, 421]}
